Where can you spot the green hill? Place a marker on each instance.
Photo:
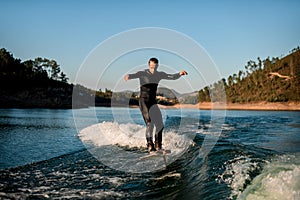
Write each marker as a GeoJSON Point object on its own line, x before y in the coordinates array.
{"type": "Point", "coordinates": [269, 80]}
{"type": "Point", "coordinates": [41, 83]}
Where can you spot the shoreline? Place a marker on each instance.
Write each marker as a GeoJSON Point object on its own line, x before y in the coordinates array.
{"type": "Point", "coordinates": [259, 106]}
{"type": "Point", "coordinates": [268, 106]}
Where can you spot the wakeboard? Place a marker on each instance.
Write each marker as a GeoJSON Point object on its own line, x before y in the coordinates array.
{"type": "Point", "coordinates": [154, 154]}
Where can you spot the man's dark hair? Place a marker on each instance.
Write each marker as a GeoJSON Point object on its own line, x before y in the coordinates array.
{"type": "Point", "coordinates": [155, 60]}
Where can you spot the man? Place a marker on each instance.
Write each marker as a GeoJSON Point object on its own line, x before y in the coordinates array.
{"type": "Point", "coordinates": [149, 80]}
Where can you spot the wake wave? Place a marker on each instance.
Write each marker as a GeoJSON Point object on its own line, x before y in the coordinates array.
{"type": "Point", "coordinates": [280, 179]}
{"type": "Point", "coordinates": [131, 135]}
{"type": "Point", "coordinates": [277, 179]}
{"type": "Point", "coordinates": [238, 173]}
{"type": "Point", "coordinates": [106, 141]}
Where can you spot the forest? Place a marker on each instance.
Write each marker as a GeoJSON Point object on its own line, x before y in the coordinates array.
{"type": "Point", "coordinates": [268, 80]}
{"type": "Point", "coordinates": [40, 83]}
{"type": "Point", "coordinates": [32, 83]}
{"type": "Point", "coordinates": [28, 73]}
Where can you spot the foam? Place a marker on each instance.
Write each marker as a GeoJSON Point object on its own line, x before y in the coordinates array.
{"type": "Point", "coordinates": [107, 133]}
{"type": "Point", "coordinates": [107, 139]}
{"type": "Point", "coordinates": [131, 135]}
{"type": "Point", "coordinates": [237, 173]}
{"type": "Point", "coordinates": [280, 179]}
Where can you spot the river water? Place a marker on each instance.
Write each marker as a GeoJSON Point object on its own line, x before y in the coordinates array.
{"type": "Point", "coordinates": [46, 155]}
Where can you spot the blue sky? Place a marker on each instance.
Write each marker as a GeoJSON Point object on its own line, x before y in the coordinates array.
{"type": "Point", "coordinates": [232, 32]}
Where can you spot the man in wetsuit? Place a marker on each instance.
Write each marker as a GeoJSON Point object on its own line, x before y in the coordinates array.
{"type": "Point", "coordinates": [149, 80]}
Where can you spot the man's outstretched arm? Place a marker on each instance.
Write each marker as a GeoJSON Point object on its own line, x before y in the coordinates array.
{"type": "Point", "coordinates": [131, 76]}
{"type": "Point", "coordinates": [173, 76]}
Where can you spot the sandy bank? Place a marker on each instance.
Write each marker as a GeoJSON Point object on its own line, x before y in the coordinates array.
{"type": "Point", "coordinates": [293, 106]}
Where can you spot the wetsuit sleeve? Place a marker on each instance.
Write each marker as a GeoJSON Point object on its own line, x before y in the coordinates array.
{"type": "Point", "coordinates": [170, 76]}
{"type": "Point", "coordinates": [135, 75]}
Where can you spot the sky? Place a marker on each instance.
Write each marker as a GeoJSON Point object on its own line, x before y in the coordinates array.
{"type": "Point", "coordinates": [230, 33]}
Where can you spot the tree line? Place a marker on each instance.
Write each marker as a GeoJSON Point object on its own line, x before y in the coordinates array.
{"type": "Point", "coordinates": [271, 80]}
{"type": "Point", "coordinates": [39, 72]}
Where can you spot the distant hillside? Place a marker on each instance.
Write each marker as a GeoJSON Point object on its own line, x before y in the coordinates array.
{"type": "Point", "coordinates": [40, 83]}
{"type": "Point", "coordinates": [33, 83]}
{"type": "Point", "coordinates": [269, 80]}
{"type": "Point", "coordinates": [164, 96]}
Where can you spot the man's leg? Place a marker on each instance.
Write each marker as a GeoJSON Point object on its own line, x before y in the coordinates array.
{"type": "Point", "coordinates": [156, 117]}
{"type": "Point", "coordinates": [149, 136]}
{"type": "Point", "coordinates": [149, 124]}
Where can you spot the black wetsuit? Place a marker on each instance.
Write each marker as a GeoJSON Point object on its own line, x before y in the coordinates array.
{"type": "Point", "coordinates": [147, 102]}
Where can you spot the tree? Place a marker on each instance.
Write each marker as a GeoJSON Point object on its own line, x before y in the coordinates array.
{"type": "Point", "coordinates": [240, 76]}
{"type": "Point", "coordinates": [230, 81]}
{"type": "Point", "coordinates": [55, 70]}
{"type": "Point", "coordinates": [223, 80]}
{"type": "Point", "coordinates": [10, 68]}
{"type": "Point", "coordinates": [259, 63]}
{"type": "Point", "coordinates": [108, 93]}
{"type": "Point", "coordinates": [234, 78]}
{"type": "Point", "coordinates": [63, 77]}
{"type": "Point", "coordinates": [50, 66]}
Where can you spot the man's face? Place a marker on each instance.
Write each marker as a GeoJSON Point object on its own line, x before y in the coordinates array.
{"type": "Point", "coordinates": [152, 66]}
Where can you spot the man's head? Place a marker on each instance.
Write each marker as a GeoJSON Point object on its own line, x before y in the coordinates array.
{"type": "Point", "coordinates": [153, 64]}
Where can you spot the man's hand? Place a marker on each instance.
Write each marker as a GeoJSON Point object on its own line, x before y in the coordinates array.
{"type": "Point", "coordinates": [183, 72]}
{"type": "Point", "coordinates": [126, 77]}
